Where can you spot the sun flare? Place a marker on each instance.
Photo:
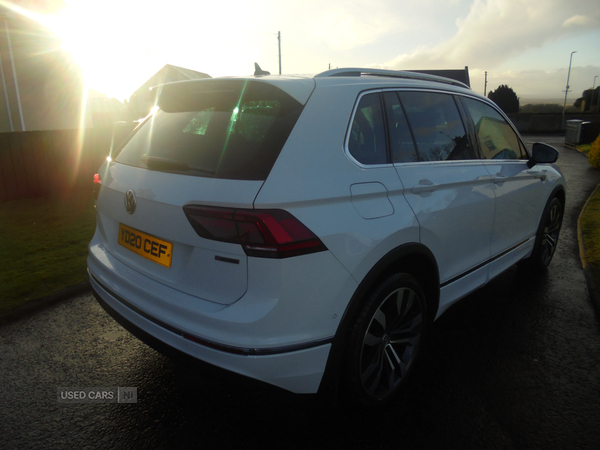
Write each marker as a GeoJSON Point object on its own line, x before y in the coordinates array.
{"type": "Point", "coordinates": [103, 54]}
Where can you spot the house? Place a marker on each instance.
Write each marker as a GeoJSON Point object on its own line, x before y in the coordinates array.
{"type": "Point", "coordinates": [106, 111]}
{"type": "Point", "coordinates": [144, 98]}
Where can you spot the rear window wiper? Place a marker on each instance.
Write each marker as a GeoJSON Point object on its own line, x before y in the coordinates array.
{"type": "Point", "coordinates": [169, 165]}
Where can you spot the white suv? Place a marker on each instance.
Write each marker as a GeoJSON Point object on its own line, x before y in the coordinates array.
{"type": "Point", "coordinates": [306, 231]}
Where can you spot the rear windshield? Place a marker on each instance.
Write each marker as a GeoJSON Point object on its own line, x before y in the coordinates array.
{"type": "Point", "coordinates": [231, 129]}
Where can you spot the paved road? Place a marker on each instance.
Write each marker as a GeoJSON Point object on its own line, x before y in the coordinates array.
{"type": "Point", "coordinates": [513, 366]}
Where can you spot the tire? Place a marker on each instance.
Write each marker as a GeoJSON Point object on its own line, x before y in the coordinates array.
{"type": "Point", "coordinates": [385, 339]}
{"type": "Point", "coordinates": [547, 237]}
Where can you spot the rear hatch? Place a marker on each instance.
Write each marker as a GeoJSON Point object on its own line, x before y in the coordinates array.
{"type": "Point", "coordinates": [212, 144]}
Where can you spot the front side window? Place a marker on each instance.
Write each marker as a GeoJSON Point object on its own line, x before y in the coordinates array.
{"type": "Point", "coordinates": [438, 130]}
{"type": "Point", "coordinates": [366, 142]}
{"type": "Point", "coordinates": [497, 139]}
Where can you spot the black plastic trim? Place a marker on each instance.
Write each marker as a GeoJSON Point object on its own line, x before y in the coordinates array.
{"type": "Point", "coordinates": [483, 264]}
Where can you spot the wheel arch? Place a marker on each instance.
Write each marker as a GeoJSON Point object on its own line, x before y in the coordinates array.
{"type": "Point", "coordinates": [413, 258]}
{"type": "Point", "coordinates": [532, 262]}
{"type": "Point", "coordinates": [559, 192]}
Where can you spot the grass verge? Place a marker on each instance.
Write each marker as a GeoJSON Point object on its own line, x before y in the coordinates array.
{"type": "Point", "coordinates": [590, 224]}
{"type": "Point", "coordinates": [43, 246]}
{"type": "Point", "coordinates": [584, 148]}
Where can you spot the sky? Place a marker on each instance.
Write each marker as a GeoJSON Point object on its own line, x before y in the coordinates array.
{"type": "Point", "coordinates": [525, 44]}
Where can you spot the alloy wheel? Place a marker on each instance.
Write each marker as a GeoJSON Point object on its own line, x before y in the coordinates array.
{"type": "Point", "coordinates": [390, 343]}
{"type": "Point", "coordinates": [551, 232]}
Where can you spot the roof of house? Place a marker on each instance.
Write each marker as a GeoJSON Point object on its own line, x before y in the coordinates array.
{"type": "Point", "coordinates": [168, 74]}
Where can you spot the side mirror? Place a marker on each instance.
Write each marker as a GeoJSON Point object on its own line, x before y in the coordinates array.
{"type": "Point", "coordinates": [542, 154]}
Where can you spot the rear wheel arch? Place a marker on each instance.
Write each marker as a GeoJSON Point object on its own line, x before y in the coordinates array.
{"type": "Point", "coordinates": [414, 259]}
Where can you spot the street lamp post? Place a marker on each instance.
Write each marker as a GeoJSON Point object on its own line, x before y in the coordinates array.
{"type": "Point", "coordinates": [567, 90]}
{"type": "Point", "coordinates": [593, 89]}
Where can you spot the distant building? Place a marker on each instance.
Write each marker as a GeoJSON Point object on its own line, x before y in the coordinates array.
{"type": "Point", "coordinates": [41, 87]}
{"type": "Point", "coordinates": [144, 99]}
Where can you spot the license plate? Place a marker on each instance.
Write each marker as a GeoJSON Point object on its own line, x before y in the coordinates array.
{"type": "Point", "coordinates": [143, 244]}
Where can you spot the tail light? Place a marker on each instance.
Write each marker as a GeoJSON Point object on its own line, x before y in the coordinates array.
{"type": "Point", "coordinates": [266, 233]}
{"type": "Point", "coordinates": [97, 185]}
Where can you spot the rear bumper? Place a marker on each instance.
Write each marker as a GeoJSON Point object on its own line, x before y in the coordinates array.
{"type": "Point", "coordinates": [299, 371]}
{"type": "Point", "coordinates": [280, 331]}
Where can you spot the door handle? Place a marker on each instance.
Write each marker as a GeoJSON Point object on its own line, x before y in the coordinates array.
{"type": "Point", "coordinates": [539, 175]}
{"type": "Point", "coordinates": [499, 178]}
{"type": "Point", "coordinates": [424, 186]}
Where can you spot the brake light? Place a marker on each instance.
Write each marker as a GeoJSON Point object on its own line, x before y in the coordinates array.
{"type": "Point", "coordinates": [266, 233]}
{"type": "Point", "coordinates": [97, 185]}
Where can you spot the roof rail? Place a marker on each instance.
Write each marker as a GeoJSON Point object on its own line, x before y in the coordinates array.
{"type": "Point", "coordinates": [357, 72]}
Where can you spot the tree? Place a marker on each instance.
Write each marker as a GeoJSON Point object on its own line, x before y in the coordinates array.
{"type": "Point", "coordinates": [594, 154]}
{"type": "Point", "coordinates": [505, 98]}
{"type": "Point", "coordinates": [591, 98]}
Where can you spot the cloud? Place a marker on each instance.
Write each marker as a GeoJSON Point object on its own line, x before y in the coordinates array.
{"type": "Point", "coordinates": [578, 21]}
{"type": "Point", "coordinates": [346, 25]}
{"type": "Point", "coordinates": [495, 30]}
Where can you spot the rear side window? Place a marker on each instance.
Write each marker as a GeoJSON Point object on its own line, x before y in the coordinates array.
{"type": "Point", "coordinates": [497, 139]}
{"type": "Point", "coordinates": [231, 129]}
{"type": "Point", "coordinates": [401, 140]}
{"type": "Point", "coordinates": [367, 142]}
{"type": "Point", "coordinates": [437, 126]}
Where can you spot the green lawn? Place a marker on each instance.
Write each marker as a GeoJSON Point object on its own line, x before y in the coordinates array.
{"type": "Point", "coordinates": [43, 246]}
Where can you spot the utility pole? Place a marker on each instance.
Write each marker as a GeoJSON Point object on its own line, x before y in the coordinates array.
{"type": "Point", "coordinates": [12, 128]}
{"type": "Point", "coordinates": [14, 71]}
{"type": "Point", "coordinates": [279, 42]}
{"type": "Point", "coordinates": [485, 85]}
{"type": "Point", "coordinates": [567, 90]}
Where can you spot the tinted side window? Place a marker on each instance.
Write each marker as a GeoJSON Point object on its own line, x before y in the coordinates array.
{"type": "Point", "coordinates": [366, 142]}
{"type": "Point", "coordinates": [401, 141]}
{"type": "Point", "coordinates": [497, 140]}
{"type": "Point", "coordinates": [437, 126]}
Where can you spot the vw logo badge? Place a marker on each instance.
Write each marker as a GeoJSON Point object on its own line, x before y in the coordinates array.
{"type": "Point", "coordinates": [130, 201]}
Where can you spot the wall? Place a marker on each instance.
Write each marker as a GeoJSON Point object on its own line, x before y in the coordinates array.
{"type": "Point", "coordinates": [41, 163]}
{"type": "Point", "coordinates": [546, 123]}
